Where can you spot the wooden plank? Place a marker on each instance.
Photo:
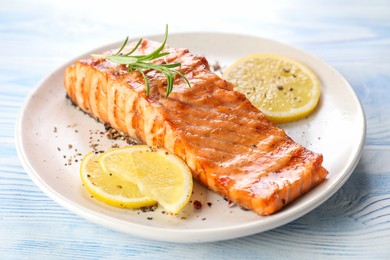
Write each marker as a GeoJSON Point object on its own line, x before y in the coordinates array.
{"type": "Point", "coordinates": [353, 36]}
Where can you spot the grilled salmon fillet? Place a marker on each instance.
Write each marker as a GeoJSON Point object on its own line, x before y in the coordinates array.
{"type": "Point", "coordinates": [229, 145]}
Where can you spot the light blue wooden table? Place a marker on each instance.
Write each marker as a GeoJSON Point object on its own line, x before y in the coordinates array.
{"type": "Point", "coordinates": [352, 36]}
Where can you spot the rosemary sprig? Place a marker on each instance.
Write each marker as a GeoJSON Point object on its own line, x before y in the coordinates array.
{"type": "Point", "coordinates": [142, 63]}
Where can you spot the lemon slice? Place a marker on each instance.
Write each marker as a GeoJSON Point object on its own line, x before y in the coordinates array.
{"type": "Point", "coordinates": [282, 88]}
{"type": "Point", "coordinates": [159, 174]}
{"type": "Point", "coordinates": [111, 188]}
{"type": "Point", "coordinates": [119, 162]}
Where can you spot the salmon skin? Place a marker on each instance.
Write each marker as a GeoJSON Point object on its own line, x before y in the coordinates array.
{"type": "Point", "coordinates": [229, 145]}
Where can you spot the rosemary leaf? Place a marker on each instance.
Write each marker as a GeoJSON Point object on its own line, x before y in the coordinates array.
{"type": "Point", "coordinates": [123, 46]}
{"type": "Point", "coordinates": [146, 80]}
{"type": "Point", "coordinates": [141, 63]}
{"type": "Point", "coordinates": [134, 49]}
{"type": "Point", "coordinates": [122, 59]}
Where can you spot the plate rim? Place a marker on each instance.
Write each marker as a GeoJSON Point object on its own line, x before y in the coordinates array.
{"type": "Point", "coordinates": [187, 236]}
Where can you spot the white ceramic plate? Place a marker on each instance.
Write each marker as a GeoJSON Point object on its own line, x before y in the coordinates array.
{"type": "Point", "coordinates": [50, 131]}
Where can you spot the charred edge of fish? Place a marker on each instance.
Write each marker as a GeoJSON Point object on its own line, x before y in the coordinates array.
{"type": "Point", "coordinates": [111, 132]}
{"type": "Point", "coordinates": [74, 104]}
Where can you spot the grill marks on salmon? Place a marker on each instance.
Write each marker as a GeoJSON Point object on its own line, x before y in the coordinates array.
{"type": "Point", "coordinates": [229, 145]}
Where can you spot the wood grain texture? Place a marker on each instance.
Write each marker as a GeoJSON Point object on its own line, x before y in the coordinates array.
{"type": "Point", "coordinates": [352, 36]}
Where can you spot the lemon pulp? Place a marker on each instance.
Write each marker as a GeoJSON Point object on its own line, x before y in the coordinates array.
{"type": "Point", "coordinates": [159, 174]}
{"type": "Point", "coordinates": [111, 188]}
{"type": "Point", "coordinates": [282, 88]}
{"type": "Point", "coordinates": [164, 177]}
